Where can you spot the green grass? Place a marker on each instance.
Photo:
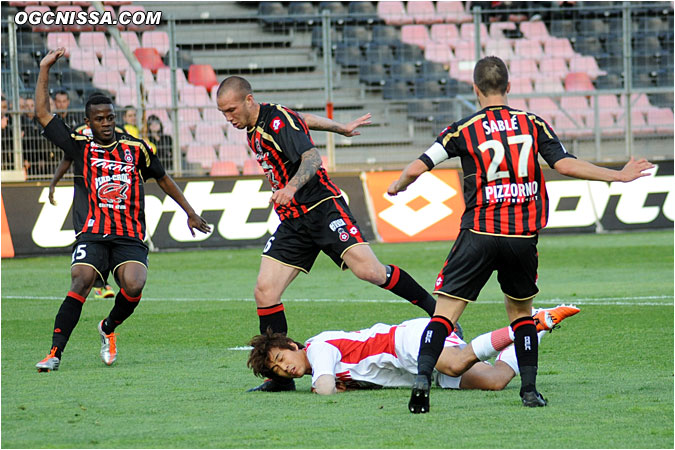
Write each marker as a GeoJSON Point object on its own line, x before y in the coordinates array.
{"type": "Point", "coordinates": [608, 372]}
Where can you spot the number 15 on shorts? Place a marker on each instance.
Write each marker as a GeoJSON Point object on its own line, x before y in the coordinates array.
{"type": "Point", "coordinates": [79, 253]}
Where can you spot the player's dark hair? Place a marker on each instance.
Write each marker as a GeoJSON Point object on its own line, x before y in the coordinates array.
{"type": "Point", "coordinates": [96, 99]}
{"type": "Point", "coordinates": [491, 76]}
{"type": "Point", "coordinates": [62, 92]}
{"type": "Point", "coordinates": [236, 83]}
{"type": "Point", "coordinates": [262, 344]}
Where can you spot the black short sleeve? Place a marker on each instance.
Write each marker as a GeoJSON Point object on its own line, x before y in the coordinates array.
{"type": "Point", "coordinates": [291, 134]}
{"type": "Point", "coordinates": [150, 166]}
{"type": "Point", "coordinates": [549, 146]}
{"type": "Point", "coordinates": [58, 133]}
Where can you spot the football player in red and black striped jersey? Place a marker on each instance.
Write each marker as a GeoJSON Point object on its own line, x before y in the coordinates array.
{"type": "Point", "coordinates": [506, 206]}
{"type": "Point", "coordinates": [314, 215]}
{"type": "Point", "coordinates": [113, 168]}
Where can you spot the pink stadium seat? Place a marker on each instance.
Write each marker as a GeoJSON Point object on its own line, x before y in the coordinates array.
{"type": "Point", "coordinates": [202, 75]}
{"type": "Point", "coordinates": [64, 39]}
{"type": "Point", "coordinates": [131, 39]}
{"type": "Point", "coordinates": [393, 13]}
{"type": "Point", "coordinates": [607, 103]}
{"type": "Point", "coordinates": [223, 169]}
{"type": "Point", "coordinates": [115, 59]}
{"type": "Point", "coordinates": [415, 34]}
{"type": "Point", "coordinates": [587, 64]}
{"type": "Point", "coordinates": [466, 31]}
{"type": "Point", "coordinates": [236, 153]}
{"type": "Point", "coordinates": [209, 133]}
{"type": "Point", "coordinates": [185, 137]}
{"type": "Point", "coordinates": [423, 12]}
{"type": "Point", "coordinates": [553, 68]}
{"type": "Point", "coordinates": [149, 58]}
{"type": "Point", "coordinates": [465, 51]}
{"type": "Point", "coordinates": [159, 96]}
{"type": "Point", "coordinates": [148, 79]}
{"type": "Point", "coordinates": [543, 106]}
{"type": "Point", "coordinates": [85, 61]}
{"type": "Point", "coordinates": [438, 52]}
{"type": "Point", "coordinates": [446, 33]}
{"type": "Point", "coordinates": [41, 28]}
{"type": "Point", "coordinates": [109, 80]}
{"type": "Point", "coordinates": [132, 9]}
{"type": "Point", "coordinates": [497, 29]}
{"type": "Point", "coordinates": [536, 31]}
{"type": "Point", "coordinates": [191, 95]}
{"type": "Point", "coordinates": [189, 116]}
{"type": "Point", "coordinates": [75, 9]}
{"type": "Point", "coordinates": [558, 47]}
{"type": "Point", "coordinates": [126, 95]}
{"type": "Point", "coordinates": [521, 85]}
{"type": "Point", "coordinates": [235, 135]}
{"type": "Point", "coordinates": [156, 39]}
{"type": "Point", "coordinates": [251, 167]}
{"type": "Point", "coordinates": [607, 124]}
{"type": "Point", "coordinates": [518, 103]}
{"type": "Point", "coordinates": [202, 154]}
{"type": "Point", "coordinates": [500, 47]}
{"type": "Point", "coordinates": [453, 12]}
{"type": "Point", "coordinates": [638, 102]}
{"type": "Point", "coordinates": [567, 128]}
{"type": "Point", "coordinates": [462, 70]}
{"type": "Point", "coordinates": [163, 117]}
{"type": "Point", "coordinates": [574, 104]}
{"type": "Point", "coordinates": [525, 48]}
{"type": "Point", "coordinates": [164, 77]}
{"type": "Point", "coordinates": [661, 119]}
{"type": "Point", "coordinates": [548, 86]}
{"type": "Point", "coordinates": [578, 81]}
{"type": "Point", "coordinates": [94, 40]}
{"type": "Point", "coordinates": [639, 123]}
{"type": "Point", "coordinates": [524, 68]}
{"type": "Point", "coordinates": [211, 114]}
{"type": "Point", "coordinates": [110, 10]}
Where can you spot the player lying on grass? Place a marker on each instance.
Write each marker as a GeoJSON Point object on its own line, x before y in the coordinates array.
{"type": "Point", "coordinates": [386, 356]}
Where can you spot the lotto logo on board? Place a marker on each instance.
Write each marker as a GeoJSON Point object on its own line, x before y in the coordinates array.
{"type": "Point", "coordinates": [429, 210]}
{"type": "Point", "coordinates": [277, 124]}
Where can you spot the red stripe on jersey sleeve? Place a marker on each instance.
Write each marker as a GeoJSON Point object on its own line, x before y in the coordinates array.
{"type": "Point", "coordinates": [353, 351]}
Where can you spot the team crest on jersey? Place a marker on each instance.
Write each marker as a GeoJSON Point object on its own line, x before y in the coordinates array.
{"type": "Point", "coordinates": [277, 124]}
{"type": "Point", "coordinates": [353, 231]}
{"type": "Point", "coordinates": [113, 193]}
{"type": "Point", "coordinates": [343, 235]}
{"type": "Point", "coordinates": [127, 155]}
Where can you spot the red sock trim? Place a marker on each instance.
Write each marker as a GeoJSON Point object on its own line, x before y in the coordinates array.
{"type": "Point", "coordinates": [77, 297]}
{"type": "Point", "coordinates": [444, 321]}
{"type": "Point", "coordinates": [395, 274]}
{"type": "Point", "coordinates": [269, 310]}
{"type": "Point", "coordinates": [500, 339]}
{"type": "Point", "coordinates": [520, 322]}
{"type": "Point", "coordinates": [129, 298]}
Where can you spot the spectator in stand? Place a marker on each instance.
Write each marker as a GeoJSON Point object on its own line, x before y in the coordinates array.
{"type": "Point", "coordinates": [34, 153]}
{"type": "Point", "coordinates": [162, 142]}
{"type": "Point", "coordinates": [62, 103]}
{"type": "Point", "coordinates": [7, 144]}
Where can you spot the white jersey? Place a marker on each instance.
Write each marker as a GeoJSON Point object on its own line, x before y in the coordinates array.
{"type": "Point", "coordinates": [385, 355]}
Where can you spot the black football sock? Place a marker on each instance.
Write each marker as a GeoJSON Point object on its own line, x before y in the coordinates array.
{"type": "Point", "coordinates": [431, 344]}
{"type": "Point", "coordinates": [272, 317]}
{"type": "Point", "coordinates": [66, 320]}
{"type": "Point", "coordinates": [527, 352]}
{"type": "Point", "coordinates": [123, 308]}
{"type": "Point", "coordinates": [402, 284]}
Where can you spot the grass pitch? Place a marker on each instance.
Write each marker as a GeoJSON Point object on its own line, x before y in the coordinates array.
{"type": "Point", "coordinates": [179, 382]}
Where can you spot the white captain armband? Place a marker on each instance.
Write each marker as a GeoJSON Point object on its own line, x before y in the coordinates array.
{"type": "Point", "coordinates": [436, 153]}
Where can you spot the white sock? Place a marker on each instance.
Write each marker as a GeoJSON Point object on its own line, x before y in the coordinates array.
{"type": "Point", "coordinates": [508, 355]}
{"type": "Point", "coordinates": [488, 345]}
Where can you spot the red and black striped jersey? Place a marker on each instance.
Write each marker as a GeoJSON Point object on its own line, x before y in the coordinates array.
{"type": "Point", "coordinates": [278, 140]}
{"type": "Point", "coordinates": [504, 186]}
{"type": "Point", "coordinates": [112, 180]}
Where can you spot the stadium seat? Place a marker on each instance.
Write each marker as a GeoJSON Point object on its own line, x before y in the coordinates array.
{"type": "Point", "coordinates": [466, 31]}
{"type": "Point", "coordinates": [379, 54]}
{"type": "Point", "coordinates": [526, 48]}
{"type": "Point", "coordinates": [373, 74]}
{"type": "Point", "coordinates": [574, 105]}
{"type": "Point", "coordinates": [236, 153]}
{"type": "Point", "coordinates": [211, 114]}
{"type": "Point", "coordinates": [502, 47]}
{"type": "Point", "coordinates": [349, 56]}
{"type": "Point", "coordinates": [518, 103]}
{"type": "Point", "coordinates": [464, 51]}
{"type": "Point", "coordinates": [185, 137]}
{"type": "Point", "coordinates": [202, 75]}
{"type": "Point", "coordinates": [553, 68]}
{"type": "Point", "coordinates": [148, 79]}
{"type": "Point", "coordinates": [126, 95]}
{"type": "Point", "coordinates": [446, 33]}
{"type": "Point", "coordinates": [497, 29]}
{"type": "Point", "coordinates": [607, 124]}
{"type": "Point", "coordinates": [565, 127]}
{"type": "Point", "coordinates": [661, 119]}
{"type": "Point", "coordinates": [163, 117]}
{"type": "Point", "coordinates": [355, 35]}
{"type": "Point", "coordinates": [337, 11]}
{"type": "Point", "coordinates": [303, 14]}
{"type": "Point", "coordinates": [423, 12]}
{"type": "Point", "coordinates": [273, 15]}
{"type": "Point", "coordinates": [74, 27]}
{"type": "Point", "coordinates": [251, 167]}
{"type": "Point", "coordinates": [64, 39]}
{"type": "Point", "coordinates": [544, 107]}
{"type": "Point", "coordinates": [586, 64]}
{"type": "Point", "coordinates": [403, 71]}
{"type": "Point", "coordinates": [235, 135]}
{"type": "Point", "coordinates": [607, 103]}
{"type": "Point", "coordinates": [415, 34]}
{"type": "Point", "coordinates": [534, 31]}
{"type": "Point", "coordinates": [85, 61]}
{"type": "Point", "coordinates": [109, 80]}
{"type": "Point", "coordinates": [385, 34]}
{"type": "Point", "coordinates": [42, 28]}
{"type": "Point", "coordinates": [463, 71]}
{"type": "Point", "coordinates": [395, 90]}
{"type": "Point", "coordinates": [94, 40]}
{"type": "Point", "coordinates": [202, 154]}
{"type": "Point", "coordinates": [524, 68]}
{"type": "Point", "coordinates": [578, 81]}
{"type": "Point", "coordinates": [112, 13]}
{"type": "Point", "coordinates": [429, 89]}
{"type": "Point", "coordinates": [164, 77]}
{"type": "Point", "coordinates": [361, 12]}
{"type": "Point", "coordinates": [393, 13]}
{"type": "Point", "coordinates": [223, 169]}
{"type": "Point", "coordinates": [149, 58]}
{"type": "Point", "coordinates": [159, 96]}
{"type": "Point", "coordinates": [209, 133]}
{"type": "Point", "coordinates": [452, 12]}
{"type": "Point", "coordinates": [558, 47]}
{"type": "Point", "coordinates": [409, 53]}
{"type": "Point", "coordinates": [189, 117]}
{"type": "Point", "coordinates": [133, 9]}
{"type": "Point", "coordinates": [129, 37]}
{"type": "Point", "coordinates": [196, 96]}
{"type": "Point", "coordinates": [156, 39]}
{"type": "Point", "coordinates": [548, 86]}
{"type": "Point", "coordinates": [438, 52]}
{"type": "Point", "coordinates": [115, 59]}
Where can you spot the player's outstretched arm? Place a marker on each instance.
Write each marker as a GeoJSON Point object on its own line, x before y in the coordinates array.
{"type": "Point", "coordinates": [411, 173]}
{"type": "Point", "coordinates": [319, 123]}
{"type": "Point", "coordinates": [585, 170]}
{"type": "Point", "coordinates": [42, 109]}
{"type": "Point", "coordinates": [325, 385]}
{"type": "Point", "coordinates": [194, 220]}
{"type": "Point", "coordinates": [64, 165]}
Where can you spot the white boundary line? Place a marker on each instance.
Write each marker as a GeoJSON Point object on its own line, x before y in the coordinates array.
{"type": "Point", "coordinates": [620, 301]}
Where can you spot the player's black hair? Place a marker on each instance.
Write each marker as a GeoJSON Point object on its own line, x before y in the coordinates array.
{"type": "Point", "coordinates": [62, 92]}
{"type": "Point", "coordinates": [237, 83]}
{"type": "Point", "coordinates": [96, 98]}
{"type": "Point", "coordinates": [491, 76]}
{"type": "Point", "coordinates": [262, 344]}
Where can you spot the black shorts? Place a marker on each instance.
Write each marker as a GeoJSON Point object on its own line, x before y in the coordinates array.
{"type": "Point", "coordinates": [105, 253]}
{"type": "Point", "coordinates": [475, 256]}
{"type": "Point", "coordinates": [328, 227]}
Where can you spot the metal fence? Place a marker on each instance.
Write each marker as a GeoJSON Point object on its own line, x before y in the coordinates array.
{"type": "Point", "coordinates": [601, 74]}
